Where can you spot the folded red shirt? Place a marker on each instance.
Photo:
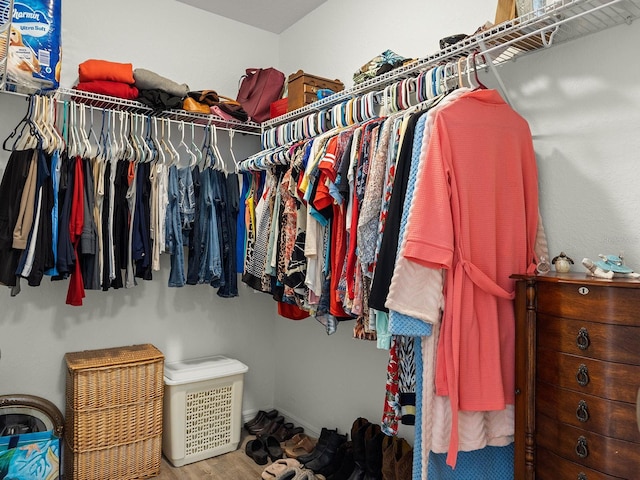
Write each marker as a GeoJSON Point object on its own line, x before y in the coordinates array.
{"type": "Point", "coordinates": [91, 70]}
{"type": "Point", "coordinates": [112, 89]}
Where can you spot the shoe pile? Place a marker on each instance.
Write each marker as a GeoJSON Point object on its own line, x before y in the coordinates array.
{"type": "Point", "coordinates": [369, 455]}
{"type": "Point", "coordinates": [270, 430]}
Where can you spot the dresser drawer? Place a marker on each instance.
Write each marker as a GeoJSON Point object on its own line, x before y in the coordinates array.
{"type": "Point", "coordinates": [607, 455]}
{"type": "Point", "coordinates": [597, 303]}
{"type": "Point", "coordinates": [590, 339]}
{"type": "Point", "coordinates": [615, 381]}
{"type": "Point", "coordinates": [552, 467]}
{"type": "Point", "coordinates": [605, 417]}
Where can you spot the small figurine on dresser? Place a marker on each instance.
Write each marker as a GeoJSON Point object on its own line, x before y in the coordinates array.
{"type": "Point", "coordinates": [609, 266]}
{"type": "Point", "coordinates": [562, 263]}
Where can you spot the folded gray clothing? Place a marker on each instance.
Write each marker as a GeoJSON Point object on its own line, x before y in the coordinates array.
{"type": "Point", "coordinates": [148, 80]}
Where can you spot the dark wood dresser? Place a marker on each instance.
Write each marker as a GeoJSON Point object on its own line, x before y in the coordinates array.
{"type": "Point", "coordinates": [577, 378]}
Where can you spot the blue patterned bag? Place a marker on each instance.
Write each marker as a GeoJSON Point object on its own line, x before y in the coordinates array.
{"type": "Point", "coordinates": [30, 456]}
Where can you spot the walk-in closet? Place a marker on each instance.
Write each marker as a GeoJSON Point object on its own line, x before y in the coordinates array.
{"type": "Point", "coordinates": [563, 190]}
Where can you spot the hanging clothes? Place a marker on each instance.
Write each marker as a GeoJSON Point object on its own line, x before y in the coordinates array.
{"type": "Point", "coordinates": [499, 215]}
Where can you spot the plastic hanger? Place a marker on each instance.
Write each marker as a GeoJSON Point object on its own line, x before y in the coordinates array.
{"type": "Point", "coordinates": [194, 148]}
{"type": "Point", "coordinates": [175, 156]}
{"type": "Point", "coordinates": [31, 138]}
{"type": "Point", "coordinates": [157, 138]}
{"type": "Point", "coordinates": [221, 164]}
{"type": "Point", "coordinates": [93, 139]}
{"type": "Point", "coordinates": [86, 144]}
{"type": "Point", "coordinates": [144, 143]}
{"type": "Point", "coordinates": [189, 157]}
{"type": "Point", "coordinates": [460, 70]}
{"type": "Point", "coordinates": [475, 71]}
{"type": "Point", "coordinates": [53, 117]}
{"type": "Point", "coordinates": [233, 155]}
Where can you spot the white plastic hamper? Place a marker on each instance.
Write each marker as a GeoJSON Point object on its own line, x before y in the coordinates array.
{"type": "Point", "coordinates": [202, 408]}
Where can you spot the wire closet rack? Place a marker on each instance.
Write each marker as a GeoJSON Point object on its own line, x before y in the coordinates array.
{"type": "Point", "coordinates": [556, 23]}
{"type": "Point", "coordinates": [112, 103]}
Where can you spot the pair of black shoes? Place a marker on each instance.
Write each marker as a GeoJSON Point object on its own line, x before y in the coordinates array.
{"type": "Point", "coordinates": [323, 459]}
{"type": "Point", "coordinates": [263, 449]}
{"type": "Point", "coordinates": [270, 423]}
{"type": "Point", "coordinates": [260, 420]}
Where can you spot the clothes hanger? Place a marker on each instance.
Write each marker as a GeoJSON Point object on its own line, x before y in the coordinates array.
{"type": "Point", "coordinates": [53, 118]}
{"type": "Point", "coordinates": [145, 128]}
{"type": "Point", "coordinates": [17, 131]}
{"type": "Point", "coordinates": [125, 124]}
{"type": "Point", "coordinates": [175, 156]}
{"type": "Point", "coordinates": [194, 148]}
{"type": "Point", "coordinates": [475, 71]}
{"type": "Point", "coordinates": [93, 139]}
{"type": "Point", "coordinates": [221, 164]}
{"type": "Point", "coordinates": [233, 155]}
{"type": "Point", "coordinates": [157, 139]}
{"type": "Point", "coordinates": [43, 124]}
{"type": "Point", "coordinates": [86, 145]}
{"type": "Point", "coordinates": [189, 155]}
{"type": "Point", "coordinates": [30, 139]}
{"type": "Point", "coordinates": [73, 140]}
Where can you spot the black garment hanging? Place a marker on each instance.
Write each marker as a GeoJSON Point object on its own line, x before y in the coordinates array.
{"type": "Point", "coordinates": [66, 253]}
{"type": "Point", "coordinates": [143, 216]}
{"type": "Point", "coordinates": [195, 247]}
{"type": "Point", "coordinates": [11, 187]}
{"type": "Point", "coordinates": [231, 195]}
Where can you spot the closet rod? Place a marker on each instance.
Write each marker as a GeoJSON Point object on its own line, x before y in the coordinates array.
{"type": "Point", "coordinates": [506, 41]}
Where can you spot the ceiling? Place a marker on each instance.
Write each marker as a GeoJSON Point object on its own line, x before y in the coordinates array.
{"type": "Point", "coordinates": [271, 15]}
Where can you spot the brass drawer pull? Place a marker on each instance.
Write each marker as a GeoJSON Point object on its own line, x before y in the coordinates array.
{"type": "Point", "coordinates": [581, 448]}
{"type": "Point", "coordinates": [582, 340]}
{"type": "Point", "coordinates": [582, 412]}
{"type": "Point", "coordinates": [582, 476]}
{"type": "Point", "coordinates": [582, 376]}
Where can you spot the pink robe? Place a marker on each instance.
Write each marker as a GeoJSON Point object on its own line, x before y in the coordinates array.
{"type": "Point", "coordinates": [476, 215]}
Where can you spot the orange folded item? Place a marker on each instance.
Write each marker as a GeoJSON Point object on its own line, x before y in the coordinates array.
{"type": "Point", "coordinates": [92, 70]}
{"type": "Point", "coordinates": [111, 89]}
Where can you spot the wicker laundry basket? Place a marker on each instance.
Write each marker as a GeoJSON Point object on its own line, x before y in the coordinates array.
{"type": "Point", "coordinates": [113, 421]}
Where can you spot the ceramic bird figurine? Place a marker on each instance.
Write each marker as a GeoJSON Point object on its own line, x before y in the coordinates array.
{"type": "Point", "coordinates": [562, 263]}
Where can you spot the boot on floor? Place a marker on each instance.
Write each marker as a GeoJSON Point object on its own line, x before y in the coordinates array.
{"type": "Point", "coordinates": [328, 453]}
{"type": "Point", "coordinates": [373, 437]}
{"type": "Point", "coordinates": [357, 437]}
{"type": "Point", "coordinates": [347, 464]}
{"type": "Point", "coordinates": [397, 459]}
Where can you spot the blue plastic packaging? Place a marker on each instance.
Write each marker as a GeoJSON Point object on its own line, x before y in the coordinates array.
{"type": "Point", "coordinates": [35, 48]}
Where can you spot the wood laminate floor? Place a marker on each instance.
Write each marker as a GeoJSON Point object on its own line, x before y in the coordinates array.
{"type": "Point", "coordinates": [234, 465]}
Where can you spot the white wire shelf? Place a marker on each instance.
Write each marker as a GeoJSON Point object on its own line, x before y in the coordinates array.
{"type": "Point", "coordinates": [132, 106]}
{"type": "Point", "coordinates": [113, 103]}
{"type": "Point", "coordinates": [560, 22]}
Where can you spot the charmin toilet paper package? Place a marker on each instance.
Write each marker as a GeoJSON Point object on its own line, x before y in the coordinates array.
{"type": "Point", "coordinates": [34, 52]}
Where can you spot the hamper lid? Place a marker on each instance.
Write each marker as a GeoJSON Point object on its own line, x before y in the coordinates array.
{"type": "Point", "coordinates": [198, 369]}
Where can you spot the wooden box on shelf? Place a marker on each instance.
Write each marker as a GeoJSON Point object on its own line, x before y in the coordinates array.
{"type": "Point", "coordinates": [303, 89]}
{"type": "Point", "coordinates": [113, 420]}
